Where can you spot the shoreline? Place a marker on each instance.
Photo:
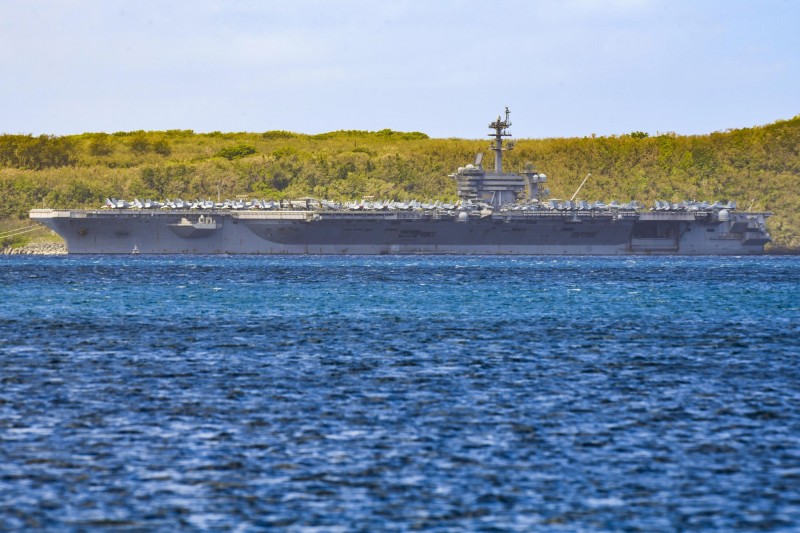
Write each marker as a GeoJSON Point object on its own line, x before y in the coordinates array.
{"type": "Point", "coordinates": [57, 248]}
{"type": "Point", "coordinates": [37, 248]}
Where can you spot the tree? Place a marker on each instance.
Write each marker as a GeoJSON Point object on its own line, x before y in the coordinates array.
{"type": "Point", "coordinates": [100, 146]}
{"type": "Point", "coordinates": [236, 152]}
{"type": "Point", "coordinates": [140, 144]}
{"type": "Point", "coordinates": [161, 147]}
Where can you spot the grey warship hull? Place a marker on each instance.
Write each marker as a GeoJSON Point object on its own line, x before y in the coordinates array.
{"type": "Point", "coordinates": [499, 213]}
{"type": "Point", "coordinates": [381, 233]}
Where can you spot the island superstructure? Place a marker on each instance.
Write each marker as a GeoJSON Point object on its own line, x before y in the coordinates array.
{"type": "Point", "coordinates": [499, 213]}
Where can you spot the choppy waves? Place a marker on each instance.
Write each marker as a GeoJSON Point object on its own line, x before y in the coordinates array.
{"type": "Point", "coordinates": [400, 393]}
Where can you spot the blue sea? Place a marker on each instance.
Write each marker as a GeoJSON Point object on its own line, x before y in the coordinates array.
{"type": "Point", "coordinates": [399, 393]}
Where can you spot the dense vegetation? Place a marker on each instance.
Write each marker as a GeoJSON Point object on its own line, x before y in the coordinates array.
{"type": "Point", "coordinates": [758, 167]}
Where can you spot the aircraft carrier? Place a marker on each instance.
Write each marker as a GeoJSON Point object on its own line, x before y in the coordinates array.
{"type": "Point", "coordinates": [499, 213]}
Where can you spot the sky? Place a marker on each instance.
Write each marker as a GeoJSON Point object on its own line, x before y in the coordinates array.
{"type": "Point", "coordinates": [565, 68]}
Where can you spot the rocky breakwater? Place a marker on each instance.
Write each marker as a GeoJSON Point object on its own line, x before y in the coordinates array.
{"type": "Point", "coordinates": [37, 248]}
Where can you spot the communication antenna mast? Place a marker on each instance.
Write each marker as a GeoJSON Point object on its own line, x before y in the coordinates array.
{"type": "Point", "coordinates": [499, 127]}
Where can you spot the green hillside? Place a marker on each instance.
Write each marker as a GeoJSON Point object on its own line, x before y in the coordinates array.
{"type": "Point", "coordinates": [757, 167]}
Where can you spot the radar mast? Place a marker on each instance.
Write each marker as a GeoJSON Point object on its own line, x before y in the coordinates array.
{"type": "Point", "coordinates": [499, 127]}
{"type": "Point", "coordinates": [496, 188]}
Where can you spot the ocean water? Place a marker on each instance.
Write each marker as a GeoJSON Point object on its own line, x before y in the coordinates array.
{"type": "Point", "coordinates": [399, 393]}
